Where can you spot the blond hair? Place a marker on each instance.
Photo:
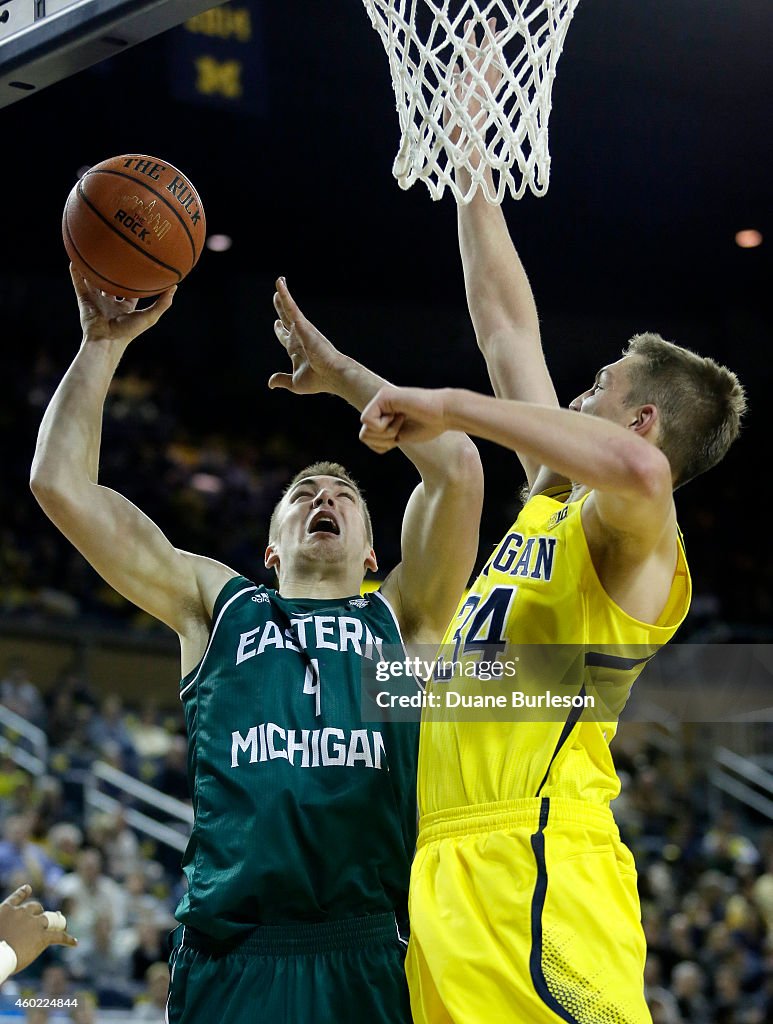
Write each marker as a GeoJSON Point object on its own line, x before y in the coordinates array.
{"type": "Point", "coordinates": [324, 469]}
{"type": "Point", "coordinates": [700, 403]}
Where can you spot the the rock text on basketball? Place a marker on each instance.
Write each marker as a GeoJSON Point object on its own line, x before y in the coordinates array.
{"type": "Point", "coordinates": [144, 166]}
{"type": "Point", "coordinates": [132, 224]}
{"type": "Point", "coordinates": [185, 196]}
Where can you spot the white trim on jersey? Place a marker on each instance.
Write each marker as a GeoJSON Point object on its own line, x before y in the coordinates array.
{"type": "Point", "coordinates": [377, 593]}
{"type": "Point", "coordinates": [244, 590]}
{"type": "Point", "coordinates": [171, 978]}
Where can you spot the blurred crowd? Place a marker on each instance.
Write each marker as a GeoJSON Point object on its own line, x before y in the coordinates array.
{"type": "Point", "coordinates": [116, 887]}
{"type": "Point", "coordinates": [705, 883]}
{"type": "Point", "coordinates": [706, 877]}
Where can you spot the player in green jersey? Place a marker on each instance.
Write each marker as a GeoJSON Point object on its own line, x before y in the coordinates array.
{"type": "Point", "coordinates": [304, 816]}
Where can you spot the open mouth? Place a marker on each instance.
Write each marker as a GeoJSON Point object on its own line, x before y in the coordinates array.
{"type": "Point", "coordinates": [324, 523]}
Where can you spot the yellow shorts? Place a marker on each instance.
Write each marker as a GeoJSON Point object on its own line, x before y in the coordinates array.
{"type": "Point", "coordinates": [525, 911]}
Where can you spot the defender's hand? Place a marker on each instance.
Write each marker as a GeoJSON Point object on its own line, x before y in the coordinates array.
{"type": "Point", "coordinates": [106, 318]}
{"type": "Point", "coordinates": [317, 363]}
{"type": "Point", "coordinates": [469, 90]}
{"type": "Point", "coordinates": [24, 926]}
{"type": "Point", "coordinates": [398, 416]}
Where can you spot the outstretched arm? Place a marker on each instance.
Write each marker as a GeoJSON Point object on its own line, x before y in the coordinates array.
{"type": "Point", "coordinates": [499, 296]}
{"type": "Point", "coordinates": [125, 547]}
{"type": "Point", "coordinates": [632, 476]}
{"type": "Point", "coordinates": [503, 311]}
{"type": "Point", "coordinates": [440, 525]}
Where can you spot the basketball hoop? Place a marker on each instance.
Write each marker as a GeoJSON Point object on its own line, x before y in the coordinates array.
{"type": "Point", "coordinates": [443, 58]}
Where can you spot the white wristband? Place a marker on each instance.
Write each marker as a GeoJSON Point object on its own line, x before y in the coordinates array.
{"type": "Point", "coordinates": [8, 961]}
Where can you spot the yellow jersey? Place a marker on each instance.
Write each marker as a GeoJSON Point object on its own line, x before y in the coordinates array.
{"type": "Point", "coordinates": [539, 609]}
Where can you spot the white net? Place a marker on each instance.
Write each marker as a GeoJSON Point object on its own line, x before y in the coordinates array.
{"type": "Point", "coordinates": [473, 82]}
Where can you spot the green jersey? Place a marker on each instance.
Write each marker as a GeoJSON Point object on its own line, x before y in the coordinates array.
{"type": "Point", "coordinates": [302, 813]}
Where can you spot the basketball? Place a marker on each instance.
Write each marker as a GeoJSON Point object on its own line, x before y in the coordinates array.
{"type": "Point", "coordinates": [133, 225]}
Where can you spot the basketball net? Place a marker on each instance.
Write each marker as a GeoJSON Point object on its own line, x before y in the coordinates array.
{"type": "Point", "coordinates": [444, 57]}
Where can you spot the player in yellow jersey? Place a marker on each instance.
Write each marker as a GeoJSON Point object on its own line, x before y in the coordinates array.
{"type": "Point", "coordinates": [523, 902]}
{"type": "Point", "coordinates": [523, 899]}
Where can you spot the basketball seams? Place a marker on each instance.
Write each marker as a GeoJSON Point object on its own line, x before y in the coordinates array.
{"type": "Point", "coordinates": [85, 262]}
{"type": "Point", "coordinates": [158, 195]}
{"type": "Point", "coordinates": [139, 200]}
{"type": "Point", "coordinates": [129, 241]}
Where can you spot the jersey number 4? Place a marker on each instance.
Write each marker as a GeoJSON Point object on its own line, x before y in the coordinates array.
{"type": "Point", "coordinates": [311, 684]}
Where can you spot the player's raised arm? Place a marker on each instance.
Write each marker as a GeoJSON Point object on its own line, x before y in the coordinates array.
{"type": "Point", "coordinates": [499, 296]}
{"type": "Point", "coordinates": [440, 526]}
{"type": "Point", "coordinates": [502, 307]}
{"type": "Point", "coordinates": [599, 453]}
{"type": "Point", "coordinates": [122, 544]}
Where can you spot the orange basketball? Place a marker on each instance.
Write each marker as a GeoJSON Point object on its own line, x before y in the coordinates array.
{"type": "Point", "coordinates": [133, 225]}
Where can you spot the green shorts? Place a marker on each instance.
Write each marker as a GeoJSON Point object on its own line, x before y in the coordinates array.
{"type": "Point", "coordinates": [337, 972]}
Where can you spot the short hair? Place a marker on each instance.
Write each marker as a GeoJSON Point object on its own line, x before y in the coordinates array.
{"type": "Point", "coordinates": [325, 469]}
{"type": "Point", "coordinates": [700, 403]}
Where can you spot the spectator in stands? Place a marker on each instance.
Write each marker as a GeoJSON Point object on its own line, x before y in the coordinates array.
{"type": "Point", "coordinates": [724, 846]}
{"type": "Point", "coordinates": [172, 777]}
{"type": "Point", "coordinates": [662, 1010]}
{"type": "Point", "coordinates": [85, 1009]}
{"type": "Point", "coordinates": [762, 893]}
{"type": "Point", "coordinates": [660, 881]}
{"type": "Point", "coordinates": [99, 962]}
{"type": "Point", "coordinates": [118, 843]}
{"type": "Point", "coordinates": [61, 715]}
{"type": "Point", "coordinates": [747, 928]}
{"type": "Point", "coordinates": [660, 1002]}
{"type": "Point", "coordinates": [717, 945]}
{"type": "Point", "coordinates": [37, 1015]}
{"type": "Point", "coordinates": [151, 740]}
{"type": "Point", "coordinates": [55, 982]}
{"type": "Point", "coordinates": [21, 860]}
{"type": "Point", "coordinates": [12, 780]}
{"type": "Point", "coordinates": [688, 985]}
{"type": "Point", "coordinates": [151, 1005]}
{"type": "Point", "coordinates": [143, 905]}
{"type": "Point", "coordinates": [150, 948]}
{"type": "Point", "coordinates": [680, 937]}
{"type": "Point", "coordinates": [90, 895]}
{"type": "Point", "coordinates": [48, 805]}
{"type": "Point", "coordinates": [714, 887]}
{"type": "Point", "coordinates": [109, 726]}
{"type": "Point", "coordinates": [654, 931]}
{"type": "Point", "coordinates": [733, 1005]}
{"type": "Point", "coordinates": [697, 912]}
{"type": "Point", "coordinates": [19, 694]}
{"type": "Point", "coordinates": [77, 747]}
{"type": "Point", "coordinates": [63, 843]}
